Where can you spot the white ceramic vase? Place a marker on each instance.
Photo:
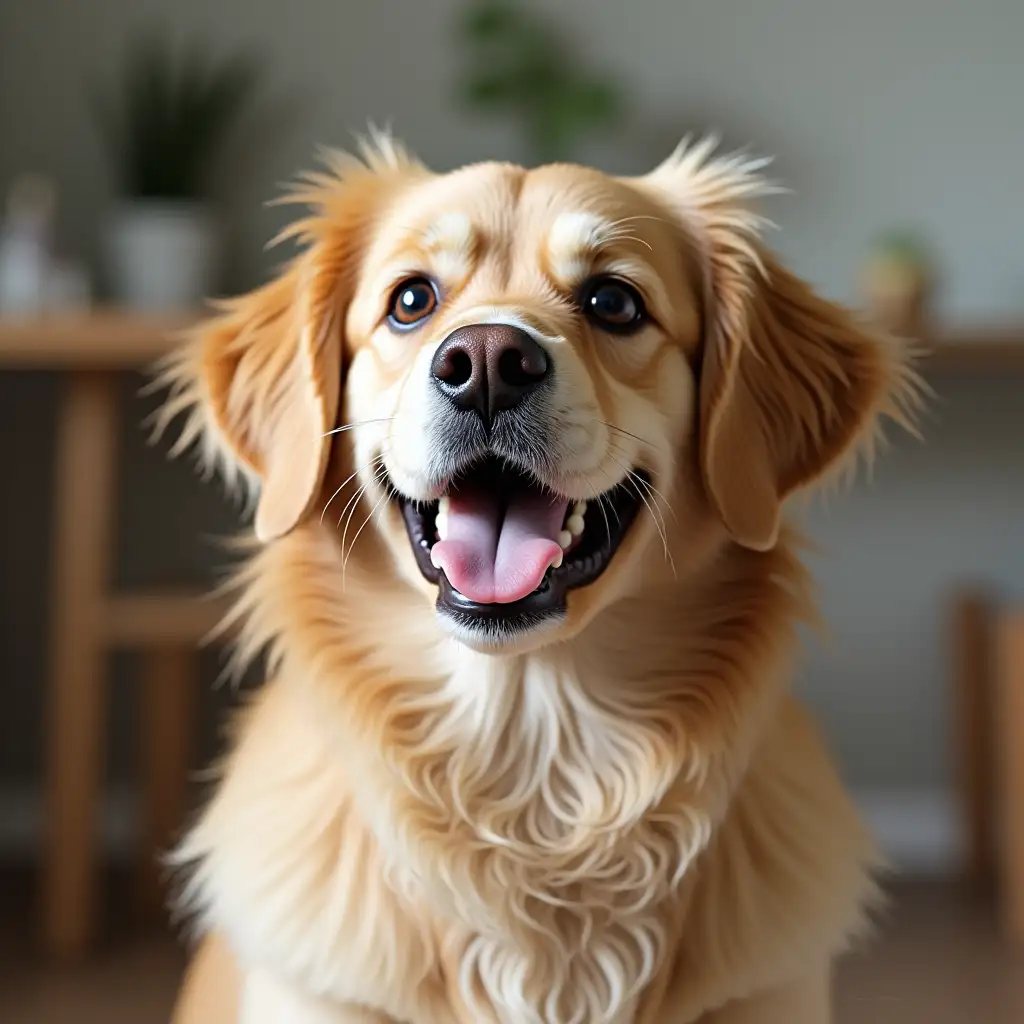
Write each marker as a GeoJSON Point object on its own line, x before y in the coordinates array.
{"type": "Point", "coordinates": [163, 255]}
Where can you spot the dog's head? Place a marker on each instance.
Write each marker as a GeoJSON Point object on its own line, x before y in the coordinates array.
{"type": "Point", "coordinates": [538, 383]}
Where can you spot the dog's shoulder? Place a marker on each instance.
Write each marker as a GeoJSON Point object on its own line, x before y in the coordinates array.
{"type": "Point", "coordinates": [282, 867]}
{"type": "Point", "coordinates": [787, 880]}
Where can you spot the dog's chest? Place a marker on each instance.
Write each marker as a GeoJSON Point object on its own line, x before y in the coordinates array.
{"type": "Point", "coordinates": [509, 875]}
{"type": "Point", "coordinates": [554, 863]}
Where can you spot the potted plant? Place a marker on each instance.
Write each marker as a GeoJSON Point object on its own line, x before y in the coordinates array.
{"type": "Point", "coordinates": [898, 281]}
{"type": "Point", "coordinates": [520, 66]}
{"type": "Point", "coordinates": [165, 121]}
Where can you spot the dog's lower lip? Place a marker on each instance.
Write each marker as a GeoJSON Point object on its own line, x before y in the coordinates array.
{"type": "Point", "coordinates": [585, 561]}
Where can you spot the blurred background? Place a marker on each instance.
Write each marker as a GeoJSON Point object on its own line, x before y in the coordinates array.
{"type": "Point", "coordinates": [139, 140]}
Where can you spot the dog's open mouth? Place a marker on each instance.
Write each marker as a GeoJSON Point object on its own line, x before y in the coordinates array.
{"type": "Point", "coordinates": [505, 551]}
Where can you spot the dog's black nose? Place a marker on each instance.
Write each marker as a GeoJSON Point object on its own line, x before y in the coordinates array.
{"type": "Point", "coordinates": [488, 367]}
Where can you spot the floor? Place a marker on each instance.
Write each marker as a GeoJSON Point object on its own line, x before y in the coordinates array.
{"type": "Point", "coordinates": [938, 960]}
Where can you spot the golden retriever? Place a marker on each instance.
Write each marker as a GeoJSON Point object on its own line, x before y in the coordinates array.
{"type": "Point", "coordinates": [519, 442]}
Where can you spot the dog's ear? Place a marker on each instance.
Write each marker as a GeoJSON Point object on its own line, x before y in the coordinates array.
{"type": "Point", "coordinates": [269, 377]}
{"type": "Point", "coordinates": [262, 381]}
{"type": "Point", "coordinates": [790, 384]}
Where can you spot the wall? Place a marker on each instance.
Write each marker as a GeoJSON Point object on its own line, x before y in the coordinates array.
{"type": "Point", "coordinates": [881, 112]}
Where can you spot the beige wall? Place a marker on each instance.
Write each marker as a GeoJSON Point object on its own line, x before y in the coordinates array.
{"type": "Point", "coordinates": [880, 111]}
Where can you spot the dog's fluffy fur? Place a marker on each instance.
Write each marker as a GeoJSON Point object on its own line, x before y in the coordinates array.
{"type": "Point", "coordinates": [623, 817]}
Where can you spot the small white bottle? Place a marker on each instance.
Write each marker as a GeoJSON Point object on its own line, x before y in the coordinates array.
{"type": "Point", "coordinates": [25, 238]}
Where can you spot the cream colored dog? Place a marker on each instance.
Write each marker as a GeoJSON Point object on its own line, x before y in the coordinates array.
{"type": "Point", "coordinates": [520, 440]}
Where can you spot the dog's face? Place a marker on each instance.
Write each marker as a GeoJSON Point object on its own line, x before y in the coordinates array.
{"type": "Point", "coordinates": [520, 375]}
{"type": "Point", "coordinates": [531, 385]}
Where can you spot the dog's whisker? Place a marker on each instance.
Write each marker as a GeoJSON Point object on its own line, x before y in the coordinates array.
{"type": "Point", "coordinates": [645, 483]}
{"type": "Point", "coordinates": [653, 504]}
{"type": "Point", "coordinates": [358, 492]}
{"type": "Point", "coordinates": [341, 487]}
{"type": "Point", "coordinates": [345, 556]}
{"type": "Point", "coordinates": [636, 437]}
{"type": "Point", "coordinates": [379, 477]}
{"type": "Point", "coordinates": [657, 495]}
{"type": "Point", "coordinates": [655, 512]}
{"type": "Point", "coordinates": [606, 497]}
{"type": "Point", "coordinates": [364, 468]}
{"type": "Point", "coordinates": [603, 504]}
{"type": "Point", "coordinates": [353, 426]}
{"type": "Point", "coordinates": [348, 523]}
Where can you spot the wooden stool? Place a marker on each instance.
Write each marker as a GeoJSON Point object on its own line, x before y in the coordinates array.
{"type": "Point", "coordinates": [88, 622]}
{"type": "Point", "coordinates": [166, 629]}
{"type": "Point", "coordinates": [989, 718]}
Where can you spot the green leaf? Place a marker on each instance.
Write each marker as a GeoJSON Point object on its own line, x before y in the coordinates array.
{"type": "Point", "coordinates": [519, 63]}
{"type": "Point", "coordinates": [173, 116]}
{"type": "Point", "coordinates": [491, 20]}
{"type": "Point", "coordinates": [490, 90]}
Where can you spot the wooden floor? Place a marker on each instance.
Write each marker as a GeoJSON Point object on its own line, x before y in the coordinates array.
{"type": "Point", "coordinates": [937, 961]}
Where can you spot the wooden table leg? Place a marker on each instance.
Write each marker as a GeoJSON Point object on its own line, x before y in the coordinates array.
{"type": "Point", "coordinates": [1010, 735]}
{"type": "Point", "coordinates": [84, 511]}
{"type": "Point", "coordinates": [169, 690]}
{"type": "Point", "coordinates": [974, 720]}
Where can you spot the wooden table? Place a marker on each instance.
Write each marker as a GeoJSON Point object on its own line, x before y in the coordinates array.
{"type": "Point", "coordinates": [87, 619]}
{"type": "Point", "coordinates": [977, 349]}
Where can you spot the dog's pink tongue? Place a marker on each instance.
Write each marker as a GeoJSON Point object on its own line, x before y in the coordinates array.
{"type": "Point", "coordinates": [496, 553]}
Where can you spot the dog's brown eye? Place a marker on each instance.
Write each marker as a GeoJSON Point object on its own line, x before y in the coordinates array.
{"type": "Point", "coordinates": [613, 305]}
{"type": "Point", "coordinates": [412, 301]}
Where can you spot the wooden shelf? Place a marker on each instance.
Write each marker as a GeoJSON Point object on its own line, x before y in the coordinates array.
{"type": "Point", "coordinates": [976, 350]}
{"type": "Point", "coordinates": [182, 617]}
{"type": "Point", "coordinates": [100, 339]}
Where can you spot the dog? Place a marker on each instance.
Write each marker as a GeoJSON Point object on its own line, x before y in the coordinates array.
{"type": "Point", "coordinates": [519, 443]}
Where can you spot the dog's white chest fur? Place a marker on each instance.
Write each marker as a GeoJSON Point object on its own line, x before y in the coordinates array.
{"type": "Point", "coordinates": [553, 791]}
{"type": "Point", "coordinates": [552, 865]}
{"type": "Point", "coordinates": [519, 848]}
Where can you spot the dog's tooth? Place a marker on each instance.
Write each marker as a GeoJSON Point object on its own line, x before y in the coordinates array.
{"type": "Point", "coordinates": [565, 540]}
{"type": "Point", "coordinates": [580, 508]}
{"type": "Point", "coordinates": [557, 563]}
{"type": "Point", "coordinates": [442, 504]}
{"type": "Point", "coordinates": [575, 525]}
{"type": "Point", "coordinates": [433, 559]}
{"type": "Point", "coordinates": [441, 525]}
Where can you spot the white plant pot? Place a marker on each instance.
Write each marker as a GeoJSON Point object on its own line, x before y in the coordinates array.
{"type": "Point", "coordinates": [163, 255]}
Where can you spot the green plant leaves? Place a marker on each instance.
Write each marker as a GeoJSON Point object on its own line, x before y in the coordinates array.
{"type": "Point", "coordinates": [491, 20]}
{"type": "Point", "coordinates": [166, 119]}
{"type": "Point", "coordinates": [520, 67]}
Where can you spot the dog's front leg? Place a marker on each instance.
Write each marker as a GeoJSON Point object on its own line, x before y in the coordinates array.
{"type": "Point", "coordinates": [267, 1000]}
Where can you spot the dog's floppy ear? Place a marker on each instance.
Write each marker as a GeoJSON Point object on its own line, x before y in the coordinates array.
{"type": "Point", "coordinates": [790, 383]}
{"type": "Point", "coordinates": [262, 381]}
{"type": "Point", "coordinates": [269, 376]}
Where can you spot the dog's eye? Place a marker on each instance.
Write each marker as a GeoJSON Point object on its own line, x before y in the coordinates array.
{"type": "Point", "coordinates": [613, 304]}
{"type": "Point", "coordinates": [411, 302]}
